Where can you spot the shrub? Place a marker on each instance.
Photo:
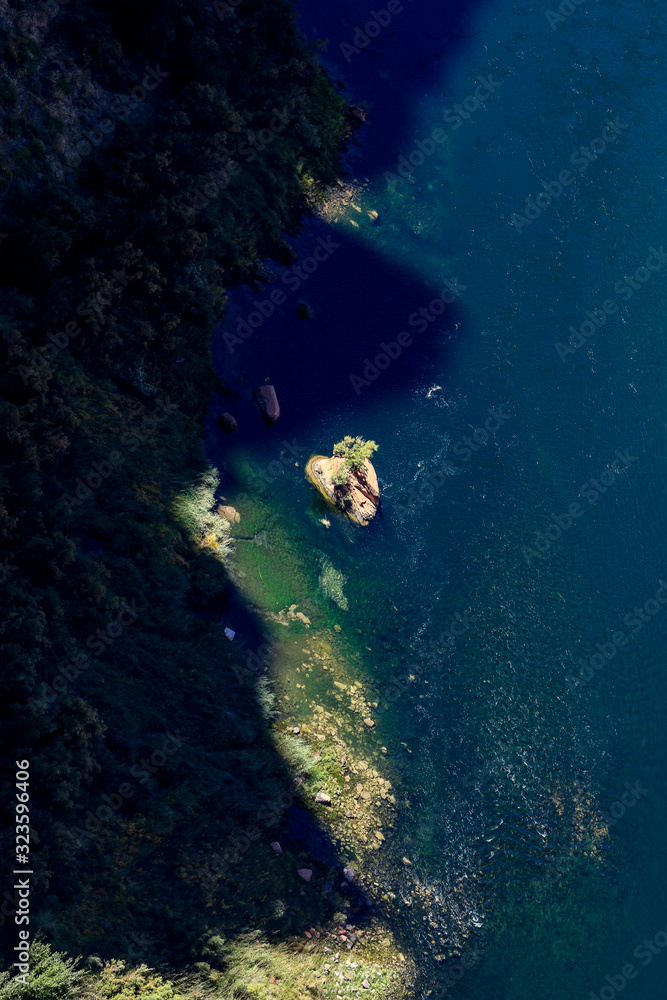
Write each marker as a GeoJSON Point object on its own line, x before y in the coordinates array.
{"type": "Point", "coordinates": [193, 509]}
{"type": "Point", "coordinates": [52, 976]}
{"type": "Point", "coordinates": [340, 476]}
{"type": "Point", "coordinates": [117, 983]}
{"type": "Point", "coordinates": [355, 451]}
{"type": "Point", "coordinates": [297, 754]}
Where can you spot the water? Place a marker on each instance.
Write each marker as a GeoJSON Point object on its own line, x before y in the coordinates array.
{"type": "Point", "coordinates": [517, 825]}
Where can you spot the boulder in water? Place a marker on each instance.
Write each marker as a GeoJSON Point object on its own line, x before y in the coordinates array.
{"type": "Point", "coordinates": [268, 401]}
{"type": "Point", "coordinates": [229, 513]}
{"type": "Point", "coordinates": [358, 496]}
{"type": "Point", "coordinates": [227, 423]}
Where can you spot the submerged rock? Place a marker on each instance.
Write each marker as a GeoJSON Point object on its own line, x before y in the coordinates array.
{"type": "Point", "coordinates": [268, 402]}
{"type": "Point", "coordinates": [227, 423]}
{"type": "Point", "coordinates": [229, 513]}
{"type": "Point", "coordinates": [359, 497]}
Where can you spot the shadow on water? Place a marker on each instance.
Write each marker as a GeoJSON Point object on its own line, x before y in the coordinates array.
{"type": "Point", "coordinates": [408, 60]}
{"type": "Point", "coordinates": [361, 297]}
{"type": "Point", "coordinates": [361, 301]}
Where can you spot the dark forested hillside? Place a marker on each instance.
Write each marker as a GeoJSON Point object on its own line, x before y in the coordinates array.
{"type": "Point", "coordinates": [151, 154]}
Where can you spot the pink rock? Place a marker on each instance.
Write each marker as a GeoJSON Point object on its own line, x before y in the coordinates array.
{"type": "Point", "coordinates": [305, 873]}
{"type": "Point", "coordinates": [276, 847]}
{"type": "Point", "coordinates": [268, 401]}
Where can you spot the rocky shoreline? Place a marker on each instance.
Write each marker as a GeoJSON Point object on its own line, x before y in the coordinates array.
{"type": "Point", "coordinates": [355, 794]}
{"type": "Point", "coordinates": [325, 714]}
{"type": "Point", "coordinates": [353, 799]}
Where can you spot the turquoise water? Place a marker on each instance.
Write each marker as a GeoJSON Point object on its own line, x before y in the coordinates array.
{"type": "Point", "coordinates": [516, 773]}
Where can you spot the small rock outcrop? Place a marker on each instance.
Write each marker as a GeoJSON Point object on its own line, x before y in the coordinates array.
{"type": "Point", "coordinates": [229, 513]}
{"type": "Point", "coordinates": [268, 402]}
{"type": "Point", "coordinates": [350, 484]}
{"type": "Point", "coordinates": [227, 423]}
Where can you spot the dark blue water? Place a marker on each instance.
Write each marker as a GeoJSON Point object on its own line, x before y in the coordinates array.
{"type": "Point", "coordinates": [537, 773]}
